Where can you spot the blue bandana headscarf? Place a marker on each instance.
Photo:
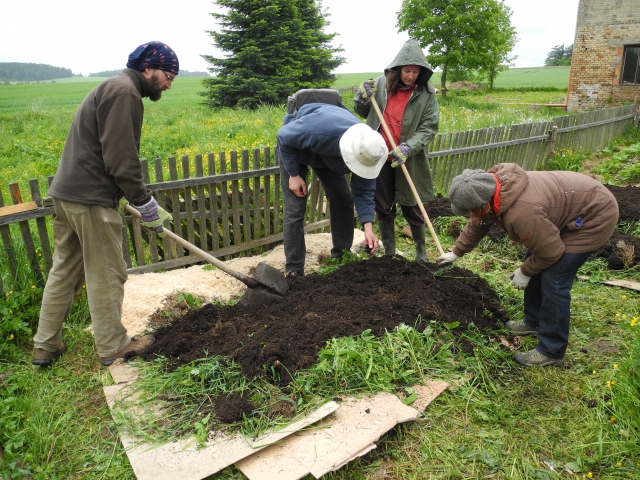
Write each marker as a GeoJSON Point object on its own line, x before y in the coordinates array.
{"type": "Point", "coordinates": [154, 55]}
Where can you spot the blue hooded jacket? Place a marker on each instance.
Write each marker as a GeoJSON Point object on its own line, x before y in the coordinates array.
{"type": "Point", "coordinates": [311, 136]}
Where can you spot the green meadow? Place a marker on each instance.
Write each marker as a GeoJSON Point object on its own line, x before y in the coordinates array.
{"type": "Point", "coordinates": [35, 118]}
{"type": "Point", "coordinates": [496, 421]}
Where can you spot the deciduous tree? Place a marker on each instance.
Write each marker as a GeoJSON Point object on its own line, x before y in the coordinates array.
{"type": "Point", "coordinates": [461, 34]}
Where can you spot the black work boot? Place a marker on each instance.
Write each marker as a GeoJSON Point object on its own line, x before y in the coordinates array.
{"type": "Point", "coordinates": [388, 237]}
{"type": "Point", "coordinates": [418, 234]}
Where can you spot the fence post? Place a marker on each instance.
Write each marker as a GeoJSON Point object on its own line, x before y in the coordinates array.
{"type": "Point", "coordinates": [553, 135]}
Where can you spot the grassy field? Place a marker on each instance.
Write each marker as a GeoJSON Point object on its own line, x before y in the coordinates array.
{"type": "Point", "coordinates": [556, 77]}
{"type": "Point", "coordinates": [35, 119]}
{"type": "Point", "coordinates": [497, 421]}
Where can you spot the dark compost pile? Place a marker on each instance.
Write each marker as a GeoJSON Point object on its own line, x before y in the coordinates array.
{"type": "Point", "coordinates": [628, 199]}
{"type": "Point", "coordinates": [376, 294]}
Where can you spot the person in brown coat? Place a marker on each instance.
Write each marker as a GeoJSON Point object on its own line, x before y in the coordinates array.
{"type": "Point", "coordinates": [560, 217]}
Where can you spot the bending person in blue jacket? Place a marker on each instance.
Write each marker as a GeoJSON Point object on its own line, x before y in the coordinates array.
{"type": "Point", "coordinates": [333, 142]}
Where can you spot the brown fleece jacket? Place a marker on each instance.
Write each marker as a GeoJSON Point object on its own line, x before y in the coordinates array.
{"type": "Point", "coordinates": [100, 161]}
{"type": "Point", "coordinates": [541, 211]}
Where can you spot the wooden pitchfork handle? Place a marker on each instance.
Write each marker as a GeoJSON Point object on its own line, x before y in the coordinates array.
{"type": "Point", "coordinates": [407, 176]}
{"type": "Point", "coordinates": [248, 281]}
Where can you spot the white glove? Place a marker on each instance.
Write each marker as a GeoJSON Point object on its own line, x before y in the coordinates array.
{"type": "Point", "coordinates": [446, 259]}
{"type": "Point", "coordinates": [519, 280]}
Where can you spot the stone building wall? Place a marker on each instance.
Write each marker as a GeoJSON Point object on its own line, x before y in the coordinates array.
{"type": "Point", "coordinates": [603, 29]}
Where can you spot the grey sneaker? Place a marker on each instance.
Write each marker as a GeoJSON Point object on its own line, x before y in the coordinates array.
{"type": "Point", "coordinates": [44, 358]}
{"type": "Point", "coordinates": [521, 328]}
{"type": "Point", "coordinates": [534, 358]}
{"type": "Point", "coordinates": [137, 346]}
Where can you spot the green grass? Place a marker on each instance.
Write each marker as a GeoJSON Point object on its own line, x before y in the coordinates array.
{"type": "Point", "coordinates": [498, 420]}
{"type": "Point", "coordinates": [35, 120]}
{"type": "Point", "coordinates": [514, 78]}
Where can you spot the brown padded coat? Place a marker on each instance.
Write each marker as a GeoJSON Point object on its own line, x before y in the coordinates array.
{"type": "Point", "coordinates": [540, 209]}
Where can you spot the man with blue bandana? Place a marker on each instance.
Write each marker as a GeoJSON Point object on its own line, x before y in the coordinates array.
{"type": "Point", "coordinates": [100, 169]}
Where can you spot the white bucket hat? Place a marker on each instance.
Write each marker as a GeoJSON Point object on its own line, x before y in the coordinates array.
{"type": "Point", "coordinates": [363, 150]}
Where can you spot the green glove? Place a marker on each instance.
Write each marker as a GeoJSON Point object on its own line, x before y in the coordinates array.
{"type": "Point", "coordinates": [153, 216]}
{"type": "Point", "coordinates": [366, 89]}
{"type": "Point", "coordinates": [400, 154]}
{"type": "Point", "coordinates": [156, 225]}
{"type": "Point", "coordinates": [122, 203]}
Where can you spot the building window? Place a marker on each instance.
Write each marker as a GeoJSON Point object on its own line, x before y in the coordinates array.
{"type": "Point", "coordinates": [631, 65]}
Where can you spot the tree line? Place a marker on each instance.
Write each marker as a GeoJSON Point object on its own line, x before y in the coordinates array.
{"type": "Point", "coordinates": [559, 56]}
{"type": "Point", "coordinates": [32, 72]}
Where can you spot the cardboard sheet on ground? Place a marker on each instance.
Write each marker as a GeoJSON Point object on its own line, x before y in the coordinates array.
{"type": "Point", "coordinates": [346, 434]}
{"type": "Point", "coordinates": [342, 432]}
{"type": "Point", "coordinates": [182, 459]}
{"type": "Point", "coordinates": [625, 284]}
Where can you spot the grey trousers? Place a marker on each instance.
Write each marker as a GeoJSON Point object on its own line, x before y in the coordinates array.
{"type": "Point", "coordinates": [88, 240]}
{"type": "Point", "coordinates": [340, 207]}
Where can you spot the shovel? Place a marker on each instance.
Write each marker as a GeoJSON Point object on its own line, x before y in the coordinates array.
{"type": "Point", "coordinates": [407, 176]}
{"type": "Point", "coordinates": [267, 286]}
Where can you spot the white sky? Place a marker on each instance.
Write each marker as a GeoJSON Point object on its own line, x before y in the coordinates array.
{"type": "Point", "coordinates": [90, 36]}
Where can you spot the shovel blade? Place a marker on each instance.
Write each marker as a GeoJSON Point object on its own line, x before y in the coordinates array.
{"type": "Point", "coordinates": [271, 278]}
{"type": "Point", "coordinates": [258, 297]}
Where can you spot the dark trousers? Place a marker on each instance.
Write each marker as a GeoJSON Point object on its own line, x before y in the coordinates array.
{"type": "Point", "coordinates": [547, 303]}
{"type": "Point", "coordinates": [385, 199]}
{"type": "Point", "coordinates": [340, 208]}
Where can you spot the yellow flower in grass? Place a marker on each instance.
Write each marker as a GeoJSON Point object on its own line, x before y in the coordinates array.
{"type": "Point", "coordinates": [612, 419]}
{"type": "Point", "coordinates": [619, 464]}
{"type": "Point", "coordinates": [615, 365]}
{"type": "Point", "coordinates": [11, 337]}
{"type": "Point", "coordinates": [633, 322]}
{"type": "Point", "coordinates": [590, 475]}
{"type": "Point", "coordinates": [624, 297]}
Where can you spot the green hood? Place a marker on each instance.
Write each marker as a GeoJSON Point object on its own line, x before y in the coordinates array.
{"type": "Point", "coordinates": [411, 54]}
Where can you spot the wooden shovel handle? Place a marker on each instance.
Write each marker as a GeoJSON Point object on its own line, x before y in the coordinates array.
{"type": "Point", "coordinates": [407, 176]}
{"type": "Point", "coordinates": [248, 281]}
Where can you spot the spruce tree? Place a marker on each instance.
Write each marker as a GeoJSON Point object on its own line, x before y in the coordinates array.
{"type": "Point", "coordinates": [274, 47]}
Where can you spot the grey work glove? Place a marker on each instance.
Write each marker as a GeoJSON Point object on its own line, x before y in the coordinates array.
{"type": "Point", "coordinates": [365, 90]}
{"type": "Point", "coordinates": [400, 154]}
{"type": "Point", "coordinates": [519, 280]}
{"type": "Point", "coordinates": [153, 216]}
{"type": "Point", "coordinates": [446, 259]}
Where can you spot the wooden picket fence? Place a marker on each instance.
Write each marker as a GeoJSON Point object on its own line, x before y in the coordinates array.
{"type": "Point", "coordinates": [232, 205]}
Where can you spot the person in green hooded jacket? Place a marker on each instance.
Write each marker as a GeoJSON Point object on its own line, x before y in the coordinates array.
{"type": "Point", "coordinates": [410, 110]}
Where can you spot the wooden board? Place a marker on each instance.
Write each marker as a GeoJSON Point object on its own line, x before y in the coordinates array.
{"type": "Point", "coordinates": [20, 207]}
{"type": "Point", "coordinates": [625, 284]}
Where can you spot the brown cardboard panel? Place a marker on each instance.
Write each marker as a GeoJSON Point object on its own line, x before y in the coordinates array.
{"type": "Point", "coordinates": [181, 458]}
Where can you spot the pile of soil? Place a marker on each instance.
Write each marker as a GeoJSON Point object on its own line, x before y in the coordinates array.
{"type": "Point", "coordinates": [628, 202]}
{"type": "Point", "coordinates": [376, 294]}
{"type": "Point", "coordinates": [621, 251]}
{"type": "Point", "coordinates": [464, 85]}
